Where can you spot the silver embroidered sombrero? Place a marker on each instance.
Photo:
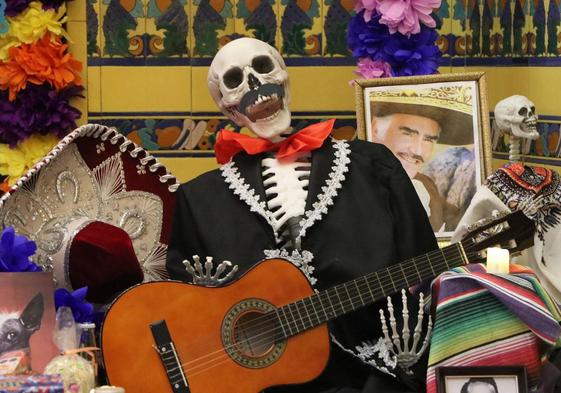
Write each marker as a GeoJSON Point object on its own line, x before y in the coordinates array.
{"type": "Point", "coordinates": [99, 208]}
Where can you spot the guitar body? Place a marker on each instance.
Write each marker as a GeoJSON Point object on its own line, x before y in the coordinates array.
{"type": "Point", "coordinates": [200, 320]}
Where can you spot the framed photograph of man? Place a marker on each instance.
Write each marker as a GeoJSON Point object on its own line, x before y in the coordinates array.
{"type": "Point", "coordinates": [481, 380]}
{"type": "Point", "coordinates": [438, 128]}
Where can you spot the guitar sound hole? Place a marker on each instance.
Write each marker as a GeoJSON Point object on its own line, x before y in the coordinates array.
{"type": "Point", "coordinates": [254, 334]}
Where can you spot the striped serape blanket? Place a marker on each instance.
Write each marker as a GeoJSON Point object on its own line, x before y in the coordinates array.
{"type": "Point", "coordinates": [485, 319]}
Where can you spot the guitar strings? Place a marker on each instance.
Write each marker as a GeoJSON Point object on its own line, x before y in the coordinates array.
{"type": "Point", "coordinates": [267, 317]}
{"type": "Point", "coordinates": [276, 329]}
{"type": "Point", "coordinates": [267, 340]}
{"type": "Point", "coordinates": [226, 357]}
{"type": "Point", "coordinates": [216, 361]}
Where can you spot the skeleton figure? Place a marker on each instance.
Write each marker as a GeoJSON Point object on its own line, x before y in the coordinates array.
{"type": "Point", "coordinates": [516, 116]}
{"type": "Point", "coordinates": [248, 81]}
{"type": "Point", "coordinates": [258, 205]}
{"type": "Point", "coordinates": [534, 190]}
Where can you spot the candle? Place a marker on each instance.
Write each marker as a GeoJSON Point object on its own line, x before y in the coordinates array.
{"type": "Point", "coordinates": [498, 260]}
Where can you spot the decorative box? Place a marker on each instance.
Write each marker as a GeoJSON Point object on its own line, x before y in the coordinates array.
{"type": "Point", "coordinates": [40, 383]}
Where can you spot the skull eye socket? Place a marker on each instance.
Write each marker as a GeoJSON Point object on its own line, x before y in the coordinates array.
{"type": "Point", "coordinates": [262, 64]}
{"type": "Point", "coordinates": [533, 109]}
{"type": "Point", "coordinates": [523, 111]}
{"type": "Point", "coordinates": [233, 77]}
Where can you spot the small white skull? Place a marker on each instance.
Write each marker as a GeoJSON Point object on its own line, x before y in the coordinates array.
{"type": "Point", "coordinates": [517, 115]}
{"type": "Point", "coordinates": [248, 81]}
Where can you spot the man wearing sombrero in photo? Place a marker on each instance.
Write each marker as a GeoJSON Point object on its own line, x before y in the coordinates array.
{"type": "Point", "coordinates": [410, 126]}
{"type": "Point", "coordinates": [99, 209]}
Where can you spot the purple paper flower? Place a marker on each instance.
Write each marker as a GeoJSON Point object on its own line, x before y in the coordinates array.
{"type": "Point", "coordinates": [15, 251]}
{"type": "Point", "coordinates": [81, 309]}
{"type": "Point", "coordinates": [37, 109]}
{"type": "Point", "coordinates": [369, 69]}
{"type": "Point", "coordinates": [416, 55]}
{"type": "Point", "coordinates": [15, 7]}
{"type": "Point", "coordinates": [413, 55]}
{"type": "Point", "coordinates": [366, 39]}
{"type": "Point", "coordinates": [52, 4]}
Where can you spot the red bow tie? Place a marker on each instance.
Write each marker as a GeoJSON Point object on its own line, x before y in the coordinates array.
{"type": "Point", "coordinates": [230, 143]}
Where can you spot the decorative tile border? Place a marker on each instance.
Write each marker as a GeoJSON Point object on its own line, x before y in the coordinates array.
{"type": "Point", "coordinates": [482, 32]}
{"type": "Point", "coordinates": [197, 132]}
{"type": "Point", "coordinates": [180, 134]}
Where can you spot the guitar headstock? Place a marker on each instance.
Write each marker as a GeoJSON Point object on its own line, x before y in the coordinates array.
{"type": "Point", "coordinates": [511, 231]}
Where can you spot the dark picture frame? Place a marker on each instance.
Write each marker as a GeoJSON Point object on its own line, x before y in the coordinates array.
{"type": "Point", "coordinates": [504, 378]}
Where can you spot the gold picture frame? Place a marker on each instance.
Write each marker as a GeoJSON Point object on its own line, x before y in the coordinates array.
{"type": "Point", "coordinates": [431, 122]}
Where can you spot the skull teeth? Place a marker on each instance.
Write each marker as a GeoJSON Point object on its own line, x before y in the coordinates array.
{"type": "Point", "coordinates": [261, 99]}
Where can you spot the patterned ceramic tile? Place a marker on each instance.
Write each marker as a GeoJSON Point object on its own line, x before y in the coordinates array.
{"type": "Point", "coordinates": [197, 133]}
{"type": "Point", "coordinates": [336, 15]}
{"type": "Point", "coordinates": [258, 19]}
{"type": "Point", "coordinates": [123, 28]}
{"type": "Point", "coordinates": [213, 23]}
{"type": "Point", "coordinates": [500, 28]}
{"type": "Point", "coordinates": [167, 28]}
{"type": "Point", "coordinates": [93, 27]}
{"type": "Point", "coordinates": [301, 28]}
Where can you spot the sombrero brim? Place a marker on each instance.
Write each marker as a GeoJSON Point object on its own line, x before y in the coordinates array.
{"type": "Point", "coordinates": [456, 127]}
{"type": "Point", "coordinates": [94, 174]}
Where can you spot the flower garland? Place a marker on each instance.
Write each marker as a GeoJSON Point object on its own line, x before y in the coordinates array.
{"type": "Point", "coordinates": [394, 38]}
{"type": "Point", "coordinates": [38, 78]}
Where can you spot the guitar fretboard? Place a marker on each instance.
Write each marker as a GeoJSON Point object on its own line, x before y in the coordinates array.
{"type": "Point", "coordinates": [321, 307]}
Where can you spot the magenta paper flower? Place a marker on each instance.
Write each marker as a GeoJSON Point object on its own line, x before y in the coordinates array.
{"type": "Point", "coordinates": [369, 69]}
{"type": "Point", "coordinates": [406, 16]}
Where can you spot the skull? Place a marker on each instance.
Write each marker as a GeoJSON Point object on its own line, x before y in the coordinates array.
{"type": "Point", "coordinates": [249, 82]}
{"type": "Point", "coordinates": [517, 115]}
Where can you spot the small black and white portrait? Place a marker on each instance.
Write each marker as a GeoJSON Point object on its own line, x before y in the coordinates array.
{"type": "Point", "coordinates": [500, 379]}
{"type": "Point", "coordinates": [480, 385]}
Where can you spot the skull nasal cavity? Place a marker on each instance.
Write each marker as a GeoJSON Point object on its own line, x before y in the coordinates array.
{"type": "Point", "coordinates": [253, 82]}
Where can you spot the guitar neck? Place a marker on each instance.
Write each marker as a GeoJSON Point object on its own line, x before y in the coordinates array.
{"type": "Point", "coordinates": [329, 304]}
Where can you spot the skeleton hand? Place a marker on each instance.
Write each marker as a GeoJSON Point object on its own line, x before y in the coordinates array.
{"type": "Point", "coordinates": [530, 206]}
{"type": "Point", "coordinates": [203, 275]}
{"type": "Point", "coordinates": [406, 356]}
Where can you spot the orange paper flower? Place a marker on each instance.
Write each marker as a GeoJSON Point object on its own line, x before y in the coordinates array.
{"type": "Point", "coordinates": [44, 61]}
{"type": "Point", "coordinates": [4, 187]}
{"type": "Point", "coordinates": [12, 78]}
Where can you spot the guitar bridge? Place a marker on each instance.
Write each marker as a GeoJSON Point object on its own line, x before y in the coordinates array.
{"type": "Point", "coordinates": [169, 357]}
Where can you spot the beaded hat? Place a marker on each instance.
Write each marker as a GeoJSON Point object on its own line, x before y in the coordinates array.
{"type": "Point", "coordinates": [99, 208]}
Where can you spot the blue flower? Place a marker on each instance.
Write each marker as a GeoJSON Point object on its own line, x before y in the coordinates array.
{"type": "Point", "coordinates": [416, 55]}
{"type": "Point", "coordinates": [82, 310]}
{"type": "Point", "coordinates": [15, 251]}
{"type": "Point", "coordinates": [366, 39]}
{"type": "Point", "coordinates": [413, 55]}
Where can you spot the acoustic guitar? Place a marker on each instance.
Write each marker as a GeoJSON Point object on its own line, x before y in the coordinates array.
{"type": "Point", "coordinates": [163, 337]}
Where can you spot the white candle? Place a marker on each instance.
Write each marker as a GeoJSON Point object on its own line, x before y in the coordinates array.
{"type": "Point", "coordinates": [498, 260]}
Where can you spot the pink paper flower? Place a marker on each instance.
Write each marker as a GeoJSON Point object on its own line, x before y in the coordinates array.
{"type": "Point", "coordinates": [369, 69]}
{"type": "Point", "coordinates": [405, 16]}
{"type": "Point", "coordinates": [369, 7]}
